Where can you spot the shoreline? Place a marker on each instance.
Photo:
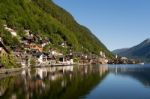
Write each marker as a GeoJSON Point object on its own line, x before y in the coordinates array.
{"type": "Point", "coordinates": [11, 70]}
{"type": "Point", "coordinates": [16, 70]}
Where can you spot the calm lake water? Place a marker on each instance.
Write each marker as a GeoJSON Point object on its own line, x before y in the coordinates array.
{"type": "Point", "coordinates": [78, 82]}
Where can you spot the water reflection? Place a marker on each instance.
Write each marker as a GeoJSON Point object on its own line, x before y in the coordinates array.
{"type": "Point", "coordinates": [78, 82]}
{"type": "Point", "coordinates": [138, 72]}
{"type": "Point", "coordinates": [123, 82]}
{"type": "Point", "coordinates": [66, 82]}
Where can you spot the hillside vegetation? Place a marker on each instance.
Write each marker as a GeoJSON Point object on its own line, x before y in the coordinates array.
{"type": "Point", "coordinates": [46, 19]}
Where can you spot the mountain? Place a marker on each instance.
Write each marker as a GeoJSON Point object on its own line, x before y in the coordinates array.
{"type": "Point", "coordinates": [118, 51]}
{"type": "Point", "coordinates": [46, 19]}
{"type": "Point", "coordinates": [140, 51]}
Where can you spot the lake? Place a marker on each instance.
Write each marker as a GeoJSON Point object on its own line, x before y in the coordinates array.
{"type": "Point", "coordinates": [78, 82]}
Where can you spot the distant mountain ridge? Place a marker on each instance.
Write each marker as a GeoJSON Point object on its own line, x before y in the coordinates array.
{"type": "Point", "coordinates": [140, 51]}
{"type": "Point", "coordinates": [118, 51]}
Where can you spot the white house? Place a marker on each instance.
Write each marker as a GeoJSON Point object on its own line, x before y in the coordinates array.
{"type": "Point", "coordinates": [124, 58]}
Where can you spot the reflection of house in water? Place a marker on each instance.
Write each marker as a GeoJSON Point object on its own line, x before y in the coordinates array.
{"type": "Point", "coordinates": [58, 72]}
{"type": "Point", "coordinates": [26, 73]}
{"type": "Point", "coordinates": [2, 90]}
{"type": "Point", "coordinates": [116, 69]}
{"type": "Point", "coordinates": [61, 68]}
{"type": "Point", "coordinates": [55, 76]}
{"type": "Point", "coordinates": [53, 72]}
{"type": "Point", "coordinates": [41, 72]}
{"type": "Point", "coordinates": [86, 70]}
{"type": "Point", "coordinates": [103, 69]}
{"type": "Point", "coordinates": [56, 82]}
{"type": "Point", "coordinates": [65, 60]}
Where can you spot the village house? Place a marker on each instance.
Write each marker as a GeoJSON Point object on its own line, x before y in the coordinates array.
{"type": "Point", "coordinates": [102, 61]}
{"type": "Point", "coordinates": [26, 40]}
{"type": "Point", "coordinates": [29, 38]}
{"type": "Point", "coordinates": [55, 53]}
{"type": "Point", "coordinates": [102, 54]}
{"type": "Point", "coordinates": [44, 42]}
{"type": "Point", "coordinates": [22, 58]}
{"type": "Point", "coordinates": [61, 58]}
{"type": "Point", "coordinates": [124, 60]}
{"type": "Point", "coordinates": [63, 44]}
{"type": "Point", "coordinates": [44, 59]}
{"type": "Point", "coordinates": [51, 59]}
{"type": "Point", "coordinates": [36, 47]}
{"type": "Point", "coordinates": [82, 58]}
{"type": "Point", "coordinates": [38, 56]}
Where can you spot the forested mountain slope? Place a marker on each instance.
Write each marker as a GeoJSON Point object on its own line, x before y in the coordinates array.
{"type": "Point", "coordinates": [46, 19]}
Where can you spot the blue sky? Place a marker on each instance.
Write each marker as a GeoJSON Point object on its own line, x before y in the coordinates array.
{"type": "Point", "coordinates": [117, 23]}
